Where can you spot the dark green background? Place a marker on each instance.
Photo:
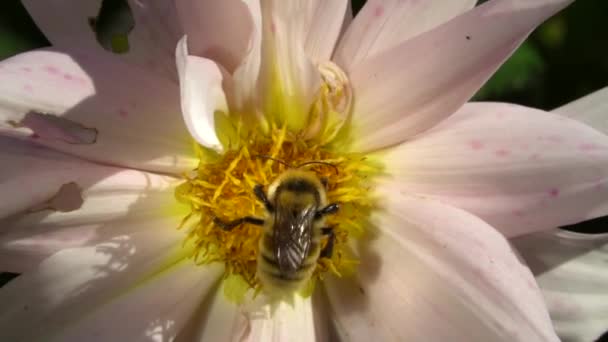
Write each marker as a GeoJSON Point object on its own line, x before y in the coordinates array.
{"type": "Point", "coordinates": [564, 59]}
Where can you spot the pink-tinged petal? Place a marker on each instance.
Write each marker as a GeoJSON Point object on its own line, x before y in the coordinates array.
{"type": "Point", "coordinates": [305, 29]}
{"type": "Point", "coordinates": [32, 175]}
{"type": "Point", "coordinates": [156, 311]}
{"type": "Point", "coordinates": [70, 286]}
{"type": "Point", "coordinates": [246, 74]}
{"type": "Point", "coordinates": [279, 322]}
{"type": "Point", "coordinates": [519, 169]}
{"type": "Point", "coordinates": [324, 27]}
{"type": "Point", "coordinates": [571, 271]}
{"type": "Point", "coordinates": [151, 42]}
{"type": "Point", "coordinates": [112, 202]}
{"type": "Point", "coordinates": [591, 109]}
{"type": "Point", "coordinates": [413, 86]}
{"type": "Point", "coordinates": [437, 273]}
{"type": "Point", "coordinates": [95, 107]}
{"type": "Point", "coordinates": [382, 24]}
{"type": "Point", "coordinates": [202, 95]}
{"type": "Point", "coordinates": [215, 320]}
{"type": "Point", "coordinates": [288, 79]}
{"type": "Point", "coordinates": [218, 30]}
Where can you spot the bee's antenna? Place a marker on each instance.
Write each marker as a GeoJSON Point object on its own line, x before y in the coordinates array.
{"type": "Point", "coordinates": [319, 162]}
{"type": "Point", "coordinates": [263, 156]}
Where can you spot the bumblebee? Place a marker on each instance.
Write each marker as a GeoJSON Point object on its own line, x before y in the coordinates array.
{"type": "Point", "coordinates": [296, 206]}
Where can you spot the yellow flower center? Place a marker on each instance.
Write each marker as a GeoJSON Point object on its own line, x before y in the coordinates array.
{"type": "Point", "coordinates": [221, 188]}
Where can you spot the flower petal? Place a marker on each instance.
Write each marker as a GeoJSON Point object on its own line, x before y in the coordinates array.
{"type": "Point", "coordinates": [31, 175]}
{"type": "Point", "coordinates": [135, 115]}
{"type": "Point", "coordinates": [382, 24]}
{"type": "Point", "coordinates": [571, 270]}
{"type": "Point", "coordinates": [413, 86]}
{"type": "Point", "coordinates": [114, 202]}
{"type": "Point", "coordinates": [591, 109]}
{"type": "Point", "coordinates": [156, 311]}
{"type": "Point", "coordinates": [288, 79]}
{"type": "Point", "coordinates": [60, 296]}
{"type": "Point", "coordinates": [324, 27]}
{"type": "Point", "coordinates": [215, 320]}
{"type": "Point", "coordinates": [201, 95]}
{"type": "Point", "coordinates": [296, 34]}
{"type": "Point", "coordinates": [151, 42]}
{"type": "Point", "coordinates": [279, 322]}
{"type": "Point", "coordinates": [517, 168]}
{"type": "Point", "coordinates": [437, 273]}
{"type": "Point", "coordinates": [218, 30]}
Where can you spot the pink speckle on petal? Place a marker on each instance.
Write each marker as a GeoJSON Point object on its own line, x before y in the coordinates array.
{"type": "Point", "coordinates": [476, 144]}
{"type": "Point", "coordinates": [518, 213]}
{"type": "Point", "coordinates": [26, 69]}
{"type": "Point", "coordinates": [123, 113]}
{"type": "Point", "coordinates": [378, 11]}
{"type": "Point", "coordinates": [28, 88]}
{"type": "Point", "coordinates": [588, 147]}
{"type": "Point", "coordinates": [502, 153]}
{"type": "Point", "coordinates": [51, 69]}
{"type": "Point", "coordinates": [68, 77]}
{"type": "Point", "coordinates": [554, 192]}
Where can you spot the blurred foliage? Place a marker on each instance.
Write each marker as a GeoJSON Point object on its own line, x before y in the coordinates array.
{"type": "Point", "coordinates": [566, 58]}
{"type": "Point", "coordinates": [18, 33]}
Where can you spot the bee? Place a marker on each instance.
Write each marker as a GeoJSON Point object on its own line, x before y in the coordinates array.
{"type": "Point", "coordinates": [290, 245]}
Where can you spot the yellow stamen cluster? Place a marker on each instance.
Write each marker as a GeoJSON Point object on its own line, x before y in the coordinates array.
{"type": "Point", "coordinates": [222, 187]}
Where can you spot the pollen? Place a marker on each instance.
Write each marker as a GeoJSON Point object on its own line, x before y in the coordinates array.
{"type": "Point", "coordinates": [221, 187]}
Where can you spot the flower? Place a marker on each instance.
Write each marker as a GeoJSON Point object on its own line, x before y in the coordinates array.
{"type": "Point", "coordinates": [454, 182]}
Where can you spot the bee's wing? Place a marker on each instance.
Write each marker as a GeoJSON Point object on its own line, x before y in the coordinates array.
{"type": "Point", "coordinates": [292, 237]}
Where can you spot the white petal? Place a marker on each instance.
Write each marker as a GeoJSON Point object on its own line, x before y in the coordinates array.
{"type": "Point", "coordinates": [151, 43]}
{"type": "Point", "coordinates": [288, 79]}
{"type": "Point", "coordinates": [279, 322]}
{"type": "Point", "coordinates": [517, 168]}
{"type": "Point", "coordinates": [324, 27]}
{"type": "Point", "coordinates": [415, 85]}
{"type": "Point", "coordinates": [74, 283]}
{"type": "Point", "coordinates": [436, 273]}
{"type": "Point", "coordinates": [591, 109]}
{"type": "Point", "coordinates": [383, 24]}
{"type": "Point", "coordinates": [31, 175]}
{"type": "Point", "coordinates": [155, 311]}
{"type": "Point", "coordinates": [246, 74]}
{"type": "Point", "coordinates": [135, 114]}
{"type": "Point", "coordinates": [201, 95]}
{"type": "Point", "coordinates": [215, 320]}
{"type": "Point", "coordinates": [218, 30]}
{"type": "Point", "coordinates": [307, 29]}
{"type": "Point", "coordinates": [115, 202]}
{"type": "Point", "coordinates": [571, 271]}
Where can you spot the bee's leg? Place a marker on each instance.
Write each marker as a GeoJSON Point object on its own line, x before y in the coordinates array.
{"type": "Point", "coordinates": [258, 190]}
{"type": "Point", "coordinates": [324, 181]}
{"type": "Point", "coordinates": [328, 250]}
{"type": "Point", "coordinates": [329, 209]}
{"type": "Point", "coordinates": [234, 223]}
